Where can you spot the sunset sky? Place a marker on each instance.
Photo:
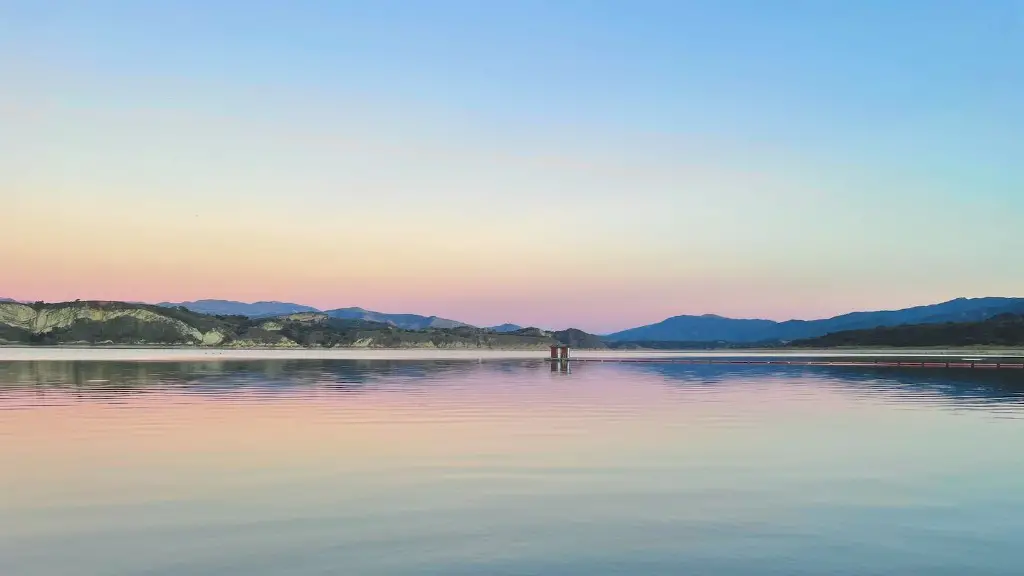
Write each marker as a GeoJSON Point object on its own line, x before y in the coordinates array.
{"type": "Point", "coordinates": [589, 163]}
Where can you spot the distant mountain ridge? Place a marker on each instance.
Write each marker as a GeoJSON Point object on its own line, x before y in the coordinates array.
{"type": "Point", "coordinates": [135, 324]}
{"type": "Point", "coordinates": [1000, 330]}
{"type": "Point", "coordinates": [404, 321]}
{"type": "Point", "coordinates": [233, 308]}
{"type": "Point", "coordinates": [273, 308]}
{"type": "Point", "coordinates": [507, 327]}
{"type": "Point", "coordinates": [711, 328]}
{"type": "Point", "coordinates": [691, 330]}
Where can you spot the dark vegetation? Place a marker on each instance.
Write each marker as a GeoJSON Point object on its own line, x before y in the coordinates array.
{"type": "Point", "coordinates": [123, 330]}
{"type": "Point", "coordinates": [14, 334]}
{"type": "Point", "coordinates": [1001, 330]}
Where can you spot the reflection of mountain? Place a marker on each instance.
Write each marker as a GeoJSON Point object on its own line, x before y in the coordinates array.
{"type": "Point", "coordinates": [956, 386]}
{"type": "Point", "coordinates": [111, 379]}
{"type": "Point", "coordinates": [269, 379]}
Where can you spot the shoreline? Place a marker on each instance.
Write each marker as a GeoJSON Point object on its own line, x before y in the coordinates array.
{"type": "Point", "coordinates": [172, 354]}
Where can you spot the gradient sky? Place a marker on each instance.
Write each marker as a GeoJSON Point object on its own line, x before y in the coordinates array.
{"type": "Point", "coordinates": [478, 160]}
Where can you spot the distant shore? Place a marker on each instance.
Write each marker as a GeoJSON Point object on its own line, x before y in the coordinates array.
{"type": "Point", "coordinates": [171, 354]}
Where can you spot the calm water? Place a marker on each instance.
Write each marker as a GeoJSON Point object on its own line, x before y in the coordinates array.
{"type": "Point", "coordinates": [363, 468]}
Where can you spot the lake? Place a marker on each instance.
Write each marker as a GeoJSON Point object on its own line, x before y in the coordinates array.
{"type": "Point", "coordinates": [507, 466]}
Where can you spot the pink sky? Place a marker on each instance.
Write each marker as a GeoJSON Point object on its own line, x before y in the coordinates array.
{"type": "Point", "coordinates": [156, 188]}
{"type": "Point", "coordinates": [598, 306]}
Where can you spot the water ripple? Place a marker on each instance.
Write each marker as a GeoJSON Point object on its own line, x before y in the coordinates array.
{"type": "Point", "coordinates": [505, 467]}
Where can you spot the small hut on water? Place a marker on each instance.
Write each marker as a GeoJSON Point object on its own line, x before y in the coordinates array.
{"type": "Point", "coordinates": [559, 352]}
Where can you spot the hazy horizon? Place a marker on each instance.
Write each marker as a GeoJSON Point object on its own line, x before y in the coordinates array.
{"type": "Point", "coordinates": [601, 165]}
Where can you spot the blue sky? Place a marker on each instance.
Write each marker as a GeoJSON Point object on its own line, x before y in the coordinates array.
{"type": "Point", "coordinates": [771, 159]}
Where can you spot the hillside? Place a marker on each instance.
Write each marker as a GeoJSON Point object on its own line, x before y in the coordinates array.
{"type": "Point", "coordinates": [575, 338]}
{"type": "Point", "coordinates": [119, 322]}
{"type": "Point", "coordinates": [1001, 330]}
{"type": "Point", "coordinates": [91, 323]}
{"type": "Point", "coordinates": [718, 328]}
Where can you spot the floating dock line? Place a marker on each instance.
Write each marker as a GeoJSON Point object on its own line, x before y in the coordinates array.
{"type": "Point", "coordinates": [561, 354]}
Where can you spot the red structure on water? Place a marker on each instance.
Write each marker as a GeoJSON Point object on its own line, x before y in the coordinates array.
{"type": "Point", "coordinates": [559, 352]}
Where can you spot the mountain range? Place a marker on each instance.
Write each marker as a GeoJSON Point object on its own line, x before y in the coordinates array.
{"type": "Point", "coordinates": [404, 321]}
{"type": "Point", "coordinates": [265, 309]}
{"type": "Point", "coordinates": [692, 330]}
{"type": "Point", "coordinates": [1001, 330]}
{"type": "Point", "coordinates": [505, 328]}
{"type": "Point", "coordinates": [272, 308]}
{"type": "Point", "coordinates": [135, 324]}
{"type": "Point", "coordinates": [233, 308]}
{"type": "Point", "coordinates": [711, 328]}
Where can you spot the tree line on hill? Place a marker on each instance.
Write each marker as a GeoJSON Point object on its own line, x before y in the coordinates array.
{"type": "Point", "coordinates": [1001, 330]}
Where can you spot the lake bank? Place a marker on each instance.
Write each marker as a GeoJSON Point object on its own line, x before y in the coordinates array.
{"type": "Point", "coordinates": [84, 353]}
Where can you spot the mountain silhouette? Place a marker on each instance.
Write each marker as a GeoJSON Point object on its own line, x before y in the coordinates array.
{"type": "Point", "coordinates": [712, 328]}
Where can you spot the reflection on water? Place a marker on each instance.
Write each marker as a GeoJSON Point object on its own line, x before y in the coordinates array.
{"type": "Point", "coordinates": [507, 467]}
{"type": "Point", "coordinates": [115, 379]}
{"type": "Point", "coordinates": [959, 388]}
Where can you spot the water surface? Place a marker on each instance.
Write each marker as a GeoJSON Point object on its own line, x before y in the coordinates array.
{"type": "Point", "coordinates": [505, 467]}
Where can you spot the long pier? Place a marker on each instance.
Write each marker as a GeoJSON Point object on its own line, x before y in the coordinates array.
{"type": "Point", "coordinates": [898, 363]}
{"type": "Point", "coordinates": [560, 354]}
